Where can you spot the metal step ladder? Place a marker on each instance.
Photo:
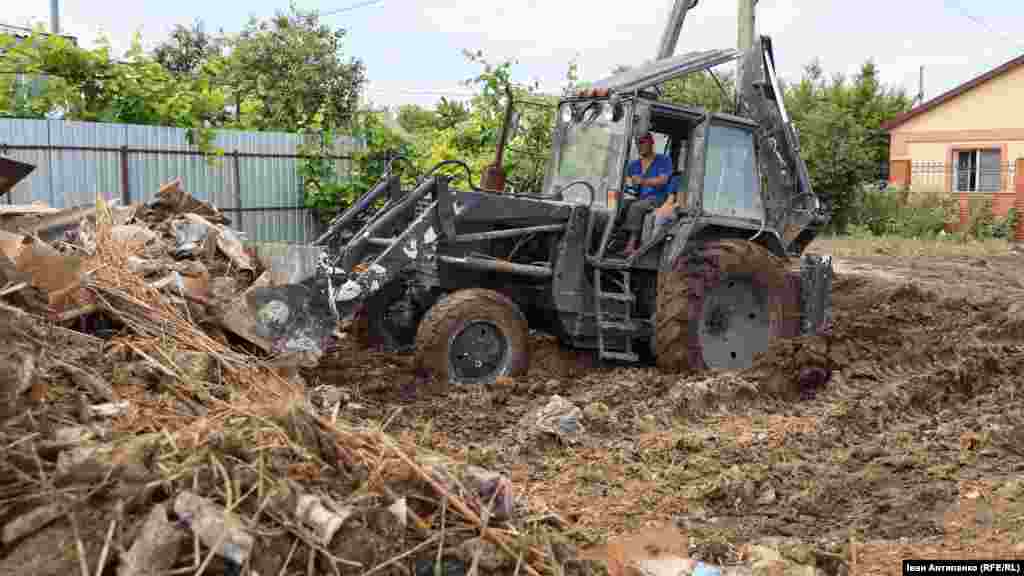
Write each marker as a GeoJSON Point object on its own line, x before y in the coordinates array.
{"type": "Point", "coordinates": [615, 327]}
{"type": "Point", "coordinates": [613, 310]}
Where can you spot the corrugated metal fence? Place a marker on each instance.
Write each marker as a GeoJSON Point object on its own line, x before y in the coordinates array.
{"type": "Point", "coordinates": [256, 182]}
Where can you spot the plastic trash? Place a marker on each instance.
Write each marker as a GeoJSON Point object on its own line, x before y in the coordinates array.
{"type": "Point", "coordinates": [188, 237]}
{"type": "Point", "coordinates": [702, 569]}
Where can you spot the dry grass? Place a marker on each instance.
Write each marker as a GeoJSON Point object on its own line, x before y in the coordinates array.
{"type": "Point", "coordinates": [848, 246]}
{"type": "Point", "coordinates": [247, 451]}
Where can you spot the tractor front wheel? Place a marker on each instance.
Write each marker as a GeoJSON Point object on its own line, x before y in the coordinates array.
{"type": "Point", "coordinates": [473, 336]}
{"type": "Point", "coordinates": [721, 303]}
{"type": "Point", "coordinates": [386, 321]}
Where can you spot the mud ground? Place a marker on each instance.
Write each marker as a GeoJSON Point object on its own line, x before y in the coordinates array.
{"type": "Point", "coordinates": [913, 448]}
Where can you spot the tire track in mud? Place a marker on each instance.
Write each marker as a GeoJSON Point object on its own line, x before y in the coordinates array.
{"type": "Point", "coordinates": [923, 395]}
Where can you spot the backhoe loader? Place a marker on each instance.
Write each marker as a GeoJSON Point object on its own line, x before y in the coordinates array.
{"type": "Point", "coordinates": [462, 275]}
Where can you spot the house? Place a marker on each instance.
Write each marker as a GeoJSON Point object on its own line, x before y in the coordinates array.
{"type": "Point", "coordinates": [966, 141]}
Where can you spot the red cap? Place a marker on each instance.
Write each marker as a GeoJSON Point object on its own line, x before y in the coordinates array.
{"type": "Point", "coordinates": [646, 137]}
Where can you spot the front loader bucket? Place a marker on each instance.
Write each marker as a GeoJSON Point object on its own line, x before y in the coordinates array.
{"type": "Point", "coordinates": [287, 311]}
{"type": "Point", "coordinates": [12, 172]}
{"type": "Point", "coordinates": [292, 317]}
{"type": "Point", "coordinates": [295, 308]}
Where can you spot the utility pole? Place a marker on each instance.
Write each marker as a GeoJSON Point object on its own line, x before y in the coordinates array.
{"type": "Point", "coordinates": [920, 86]}
{"type": "Point", "coordinates": [745, 28]}
{"type": "Point", "coordinates": [55, 17]}
{"type": "Point", "coordinates": [745, 31]}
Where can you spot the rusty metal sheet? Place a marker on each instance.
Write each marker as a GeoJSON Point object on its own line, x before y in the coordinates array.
{"type": "Point", "coordinates": [12, 172]}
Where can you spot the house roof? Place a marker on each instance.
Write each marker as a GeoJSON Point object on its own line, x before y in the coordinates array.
{"type": "Point", "coordinates": [947, 96]}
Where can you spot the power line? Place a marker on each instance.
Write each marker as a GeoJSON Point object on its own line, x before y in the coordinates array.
{"type": "Point", "coordinates": [985, 25]}
{"type": "Point", "coordinates": [421, 92]}
{"type": "Point", "coordinates": [351, 7]}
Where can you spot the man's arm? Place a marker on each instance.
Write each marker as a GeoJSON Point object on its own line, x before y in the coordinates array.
{"type": "Point", "coordinates": [656, 181]}
{"type": "Point", "coordinates": [663, 167]}
{"type": "Point", "coordinates": [633, 173]}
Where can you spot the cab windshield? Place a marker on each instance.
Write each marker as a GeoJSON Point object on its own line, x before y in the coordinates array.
{"type": "Point", "coordinates": [590, 148]}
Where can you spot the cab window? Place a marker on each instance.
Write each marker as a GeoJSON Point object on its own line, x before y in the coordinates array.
{"type": "Point", "coordinates": [731, 186]}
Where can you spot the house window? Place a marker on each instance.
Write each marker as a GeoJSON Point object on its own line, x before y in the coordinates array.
{"type": "Point", "coordinates": [978, 170]}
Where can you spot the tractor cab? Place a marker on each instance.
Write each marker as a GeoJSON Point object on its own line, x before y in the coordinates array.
{"type": "Point", "coordinates": [714, 167]}
{"type": "Point", "coordinates": [733, 172]}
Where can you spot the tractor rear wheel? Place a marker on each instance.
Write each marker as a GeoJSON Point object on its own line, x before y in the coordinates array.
{"type": "Point", "coordinates": [721, 303]}
{"type": "Point", "coordinates": [473, 336]}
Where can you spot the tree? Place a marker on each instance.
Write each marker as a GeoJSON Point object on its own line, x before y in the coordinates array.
{"type": "Point", "coordinates": [839, 121]}
{"type": "Point", "coordinates": [475, 138]}
{"type": "Point", "coordinates": [713, 92]}
{"type": "Point", "coordinates": [450, 113]}
{"type": "Point", "coordinates": [90, 85]}
{"type": "Point", "coordinates": [416, 119]}
{"type": "Point", "coordinates": [288, 72]}
{"type": "Point", "coordinates": [188, 49]}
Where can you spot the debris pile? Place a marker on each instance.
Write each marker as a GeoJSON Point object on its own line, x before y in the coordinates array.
{"type": "Point", "coordinates": [143, 432]}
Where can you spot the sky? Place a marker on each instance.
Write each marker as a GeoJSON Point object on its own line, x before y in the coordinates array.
{"type": "Point", "coordinates": [412, 49]}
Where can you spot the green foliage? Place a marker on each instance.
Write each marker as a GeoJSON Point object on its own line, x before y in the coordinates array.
{"type": "Point", "coordinates": [417, 119]}
{"type": "Point", "coordinates": [984, 224]}
{"type": "Point", "coordinates": [453, 130]}
{"type": "Point", "coordinates": [922, 214]}
{"type": "Point", "coordinates": [450, 114]}
{"type": "Point", "coordinates": [1007, 227]}
{"type": "Point", "coordinates": [839, 121]}
{"type": "Point", "coordinates": [925, 215]}
{"type": "Point", "coordinates": [285, 73]}
{"type": "Point", "coordinates": [79, 84]}
{"type": "Point", "coordinates": [703, 90]}
{"type": "Point", "coordinates": [188, 50]}
{"type": "Point", "coordinates": [328, 191]}
{"type": "Point", "coordinates": [289, 72]}
{"type": "Point", "coordinates": [476, 138]}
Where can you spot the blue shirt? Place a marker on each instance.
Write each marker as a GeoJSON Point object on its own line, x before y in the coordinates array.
{"type": "Point", "coordinates": [661, 166]}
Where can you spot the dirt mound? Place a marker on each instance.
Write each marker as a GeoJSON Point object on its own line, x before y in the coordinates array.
{"type": "Point", "coordinates": [898, 333]}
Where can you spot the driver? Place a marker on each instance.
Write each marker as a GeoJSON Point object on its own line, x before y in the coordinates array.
{"type": "Point", "coordinates": [649, 174]}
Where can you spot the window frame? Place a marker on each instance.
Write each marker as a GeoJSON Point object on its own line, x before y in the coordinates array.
{"type": "Point", "coordinates": [975, 169]}
{"type": "Point", "coordinates": [718, 121]}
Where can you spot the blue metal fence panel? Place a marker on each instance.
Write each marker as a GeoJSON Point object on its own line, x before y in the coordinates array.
{"type": "Point", "coordinates": [164, 156]}
{"type": "Point", "coordinates": [29, 133]}
{"type": "Point", "coordinates": [265, 183]}
{"type": "Point", "coordinates": [79, 175]}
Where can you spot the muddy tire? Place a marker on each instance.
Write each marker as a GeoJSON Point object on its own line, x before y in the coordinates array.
{"type": "Point", "coordinates": [473, 337]}
{"type": "Point", "coordinates": [721, 303]}
{"type": "Point", "coordinates": [372, 328]}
